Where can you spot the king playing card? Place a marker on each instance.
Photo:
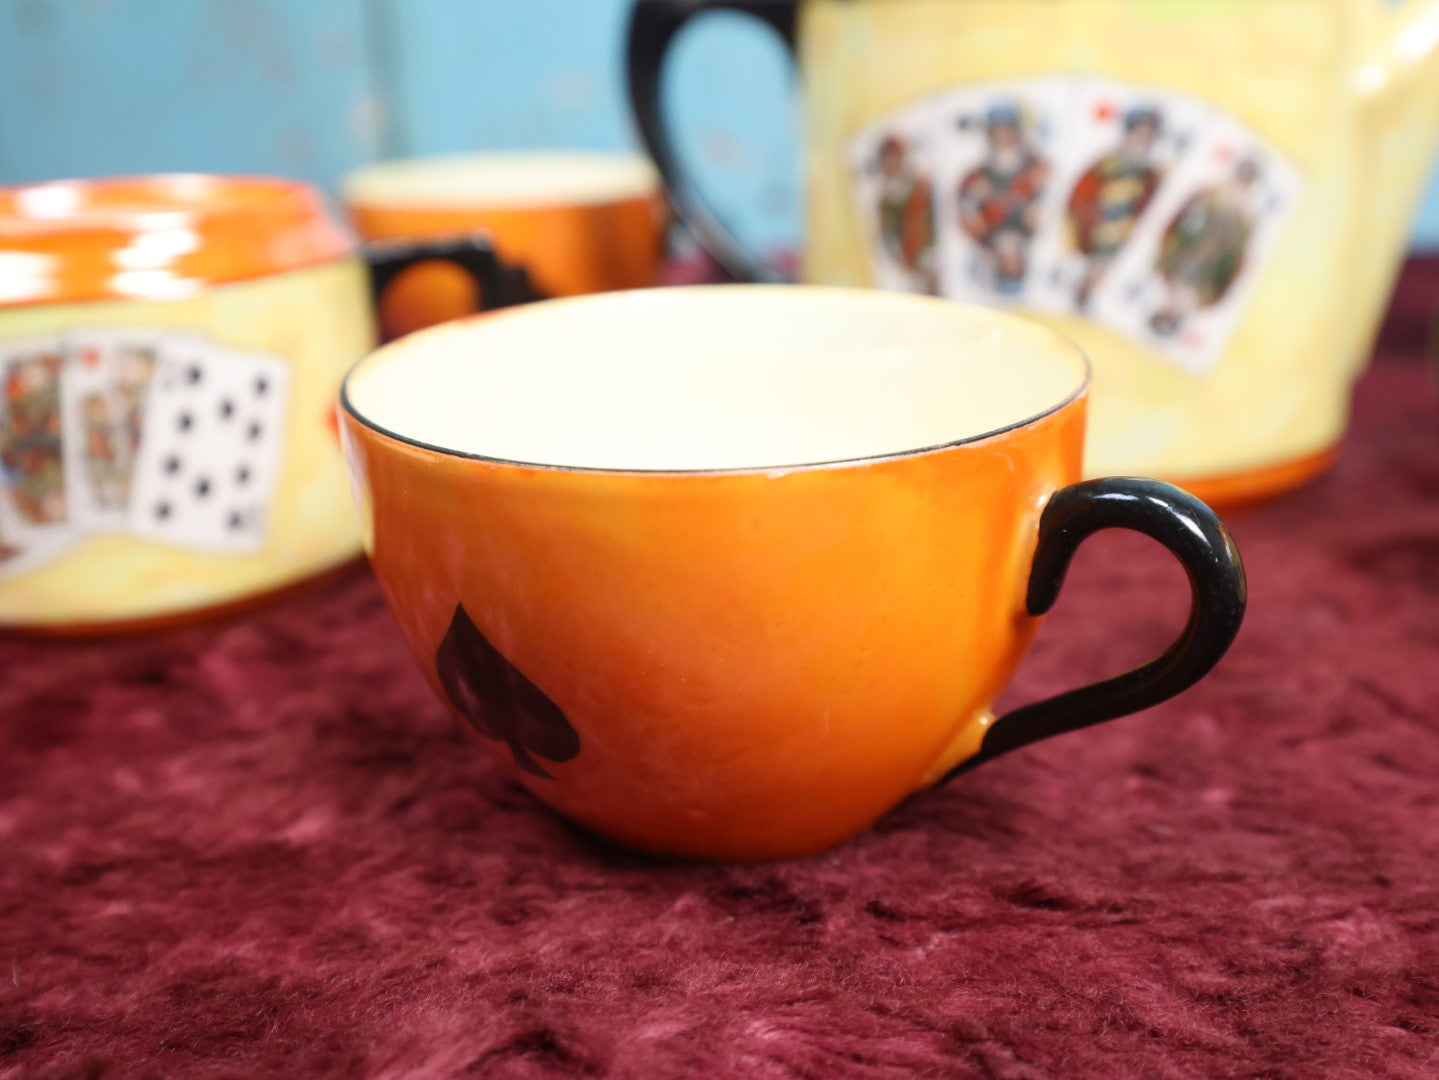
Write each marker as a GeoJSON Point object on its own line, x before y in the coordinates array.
{"type": "Point", "coordinates": [210, 457]}
{"type": "Point", "coordinates": [998, 149]}
{"type": "Point", "coordinates": [1184, 283]}
{"type": "Point", "coordinates": [892, 169]}
{"type": "Point", "coordinates": [1124, 144]}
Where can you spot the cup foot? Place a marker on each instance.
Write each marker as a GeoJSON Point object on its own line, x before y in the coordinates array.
{"type": "Point", "coordinates": [1232, 491]}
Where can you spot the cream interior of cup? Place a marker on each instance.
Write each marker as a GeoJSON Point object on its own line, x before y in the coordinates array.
{"type": "Point", "coordinates": [715, 378]}
{"type": "Point", "coordinates": [503, 179]}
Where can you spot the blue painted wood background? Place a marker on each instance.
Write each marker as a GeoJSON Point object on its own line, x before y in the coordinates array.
{"type": "Point", "coordinates": [312, 88]}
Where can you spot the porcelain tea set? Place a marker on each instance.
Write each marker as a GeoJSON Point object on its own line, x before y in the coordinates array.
{"type": "Point", "coordinates": [729, 571]}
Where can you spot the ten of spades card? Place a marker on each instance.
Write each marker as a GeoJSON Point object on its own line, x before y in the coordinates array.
{"type": "Point", "coordinates": [210, 457]}
{"type": "Point", "coordinates": [892, 171]}
{"type": "Point", "coordinates": [998, 148]}
{"type": "Point", "coordinates": [106, 380]}
{"type": "Point", "coordinates": [1187, 277]}
{"type": "Point", "coordinates": [1124, 144]}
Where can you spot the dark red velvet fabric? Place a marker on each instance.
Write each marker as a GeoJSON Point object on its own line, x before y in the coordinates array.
{"type": "Point", "coordinates": [252, 848]}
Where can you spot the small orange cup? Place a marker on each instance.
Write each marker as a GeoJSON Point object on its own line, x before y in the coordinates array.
{"type": "Point", "coordinates": [572, 222]}
{"type": "Point", "coordinates": [727, 572]}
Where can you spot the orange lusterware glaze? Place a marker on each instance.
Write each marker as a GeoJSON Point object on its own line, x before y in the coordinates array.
{"type": "Point", "coordinates": [157, 237]}
{"type": "Point", "coordinates": [728, 572]}
{"type": "Point", "coordinates": [576, 222]}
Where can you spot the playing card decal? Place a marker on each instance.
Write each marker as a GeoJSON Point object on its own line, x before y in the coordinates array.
{"type": "Point", "coordinates": [1110, 195]}
{"type": "Point", "coordinates": [103, 391]}
{"type": "Point", "coordinates": [999, 198]}
{"type": "Point", "coordinates": [1182, 284]}
{"type": "Point", "coordinates": [895, 190]}
{"type": "Point", "coordinates": [1145, 211]}
{"type": "Point", "coordinates": [1203, 248]}
{"type": "Point", "coordinates": [210, 458]}
{"type": "Point", "coordinates": [160, 435]}
{"type": "Point", "coordinates": [499, 701]}
{"type": "Point", "coordinates": [32, 438]}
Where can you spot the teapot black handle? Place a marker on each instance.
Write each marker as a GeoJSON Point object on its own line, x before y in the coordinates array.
{"type": "Point", "coordinates": [1192, 532]}
{"type": "Point", "coordinates": [497, 283]}
{"type": "Point", "coordinates": [653, 28]}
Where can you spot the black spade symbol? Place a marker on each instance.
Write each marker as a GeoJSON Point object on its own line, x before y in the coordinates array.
{"type": "Point", "coordinates": [499, 701]}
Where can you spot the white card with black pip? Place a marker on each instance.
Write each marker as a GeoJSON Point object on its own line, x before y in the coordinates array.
{"type": "Point", "coordinates": [210, 457]}
{"type": "Point", "coordinates": [1187, 276]}
{"type": "Point", "coordinates": [998, 150]}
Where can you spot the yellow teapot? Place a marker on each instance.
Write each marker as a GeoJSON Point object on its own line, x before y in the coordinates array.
{"type": "Point", "coordinates": [1211, 196]}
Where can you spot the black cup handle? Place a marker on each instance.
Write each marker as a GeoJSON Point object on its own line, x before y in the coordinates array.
{"type": "Point", "coordinates": [653, 28]}
{"type": "Point", "coordinates": [497, 283]}
{"type": "Point", "coordinates": [1202, 544]}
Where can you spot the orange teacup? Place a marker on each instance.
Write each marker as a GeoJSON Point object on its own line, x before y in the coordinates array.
{"type": "Point", "coordinates": [573, 222]}
{"type": "Point", "coordinates": [728, 572]}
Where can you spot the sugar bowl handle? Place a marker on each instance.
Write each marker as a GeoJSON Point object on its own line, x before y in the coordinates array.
{"type": "Point", "coordinates": [653, 28]}
{"type": "Point", "coordinates": [1203, 546]}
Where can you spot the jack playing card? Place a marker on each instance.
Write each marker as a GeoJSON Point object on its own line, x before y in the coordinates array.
{"type": "Point", "coordinates": [997, 151]}
{"type": "Point", "coordinates": [892, 168]}
{"type": "Point", "coordinates": [1186, 278]}
{"type": "Point", "coordinates": [209, 461]}
{"type": "Point", "coordinates": [1125, 142]}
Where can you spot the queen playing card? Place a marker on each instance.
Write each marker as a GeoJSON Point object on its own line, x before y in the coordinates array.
{"type": "Point", "coordinates": [32, 439]}
{"type": "Point", "coordinates": [997, 149]}
{"type": "Point", "coordinates": [892, 168]}
{"type": "Point", "coordinates": [103, 390]}
{"type": "Point", "coordinates": [1187, 278]}
{"type": "Point", "coordinates": [209, 462]}
{"type": "Point", "coordinates": [1124, 143]}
